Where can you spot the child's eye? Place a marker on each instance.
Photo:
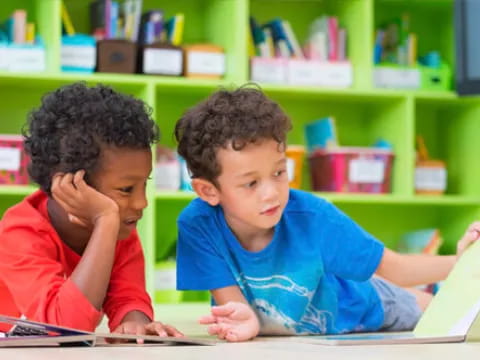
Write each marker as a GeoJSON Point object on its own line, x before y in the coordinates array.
{"type": "Point", "coordinates": [279, 173]}
{"type": "Point", "coordinates": [127, 189]}
{"type": "Point", "coordinates": [251, 184]}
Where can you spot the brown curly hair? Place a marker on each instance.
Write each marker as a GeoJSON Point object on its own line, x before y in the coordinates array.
{"type": "Point", "coordinates": [237, 117]}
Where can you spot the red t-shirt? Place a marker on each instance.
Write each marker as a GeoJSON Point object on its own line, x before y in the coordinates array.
{"type": "Point", "coordinates": [35, 269]}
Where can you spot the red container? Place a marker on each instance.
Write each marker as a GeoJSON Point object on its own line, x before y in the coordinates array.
{"type": "Point", "coordinates": [351, 169]}
{"type": "Point", "coordinates": [13, 161]}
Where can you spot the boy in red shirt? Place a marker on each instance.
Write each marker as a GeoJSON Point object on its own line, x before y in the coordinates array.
{"type": "Point", "coordinates": [70, 251]}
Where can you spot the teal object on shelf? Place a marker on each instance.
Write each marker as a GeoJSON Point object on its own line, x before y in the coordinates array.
{"type": "Point", "coordinates": [78, 53]}
{"type": "Point", "coordinates": [321, 134]}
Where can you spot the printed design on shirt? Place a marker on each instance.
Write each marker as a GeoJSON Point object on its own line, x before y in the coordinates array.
{"type": "Point", "coordinates": [273, 319]}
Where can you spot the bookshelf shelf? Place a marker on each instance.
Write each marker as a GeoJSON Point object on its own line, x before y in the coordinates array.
{"type": "Point", "coordinates": [450, 124]}
{"type": "Point", "coordinates": [175, 195]}
{"type": "Point", "coordinates": [415, 200]}
{"type": "Point", "coordinates": [16, 190]}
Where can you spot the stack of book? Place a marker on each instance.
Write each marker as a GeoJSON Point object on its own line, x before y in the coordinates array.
{"type": "Point", "coordinates": [326, 40]}
{"type": "Point", "coordinates": [278, 57]}
{"type": "Point", "coordinates": [111, 20]}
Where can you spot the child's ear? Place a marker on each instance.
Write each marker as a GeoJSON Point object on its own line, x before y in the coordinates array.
{"type": "Point", "coordinates": [206, 191]}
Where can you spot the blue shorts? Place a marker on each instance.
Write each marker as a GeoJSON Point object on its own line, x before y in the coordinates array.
{"type": "Point", "coordinates": [400, 308]}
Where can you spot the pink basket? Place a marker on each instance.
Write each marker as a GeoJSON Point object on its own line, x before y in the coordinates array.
{"type": "Point", "coordinates": [351, 169]}
{"type": "Point", "coordinates": [13, 161]}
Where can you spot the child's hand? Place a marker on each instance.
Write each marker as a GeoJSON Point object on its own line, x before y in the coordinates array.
{"type": "Point", "coordinates": [152, 328]}
{"type": "Point", "coordinates": [233, 322]}
{"type": "Point", "coordinates": [83, 204]}
{"type": "Point", "coordinates": [471, 235]}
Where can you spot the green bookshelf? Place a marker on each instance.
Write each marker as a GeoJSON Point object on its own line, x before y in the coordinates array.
{"type": "Point", "coordinates": [423, 15]}
{"type": "Point", "coordinates": [448, 123]}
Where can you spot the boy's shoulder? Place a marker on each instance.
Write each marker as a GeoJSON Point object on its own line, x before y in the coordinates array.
{"type": "Point", "coordinates": [195, 210]}
{"type": "Point", "coordinates": [303, 201]}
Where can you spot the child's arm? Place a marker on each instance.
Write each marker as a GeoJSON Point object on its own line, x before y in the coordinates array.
{"type": "Point", "coordinates": [86, 206]}
{"type": "Point", "coordinates": [127, 304]}
{"type": "Point", "coordinates": [94, 273]}
{"type": "Point", "coordinates": [233, 320]}
{"type": "Point", "coordinates": [412, 270]}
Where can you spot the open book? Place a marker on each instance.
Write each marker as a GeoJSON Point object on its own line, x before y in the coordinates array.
{"type": "Point", "coordinates": [31, 333]}
{"type": "Point", "coordinates": [452, 316]}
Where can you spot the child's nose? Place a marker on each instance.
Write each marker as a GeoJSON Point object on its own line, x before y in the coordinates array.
{"type": "Point", "coordinates": [270, 191]}
{"type": "Point", "coordinates": [139, 202]}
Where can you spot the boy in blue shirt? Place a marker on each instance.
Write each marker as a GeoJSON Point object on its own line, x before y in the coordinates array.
{"type": "Point", "coordinates": [280, 261]}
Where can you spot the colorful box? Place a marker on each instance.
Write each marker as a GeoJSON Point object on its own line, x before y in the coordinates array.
{"type": "Point", "coordinates": [116, 56]}
{"type": "Point", "coordinates": [414, 77]}
{"type": "Point", "coordinates": [302, 72]}
{"type": "Point", "coordinates": [13, 161]}
{"type": "Point", "coordinates": [204, 61]}
{"type": "Point", "coordinates": [436, 78]}
{"type": "Point", "coordinates": [397, 77]}
{"type": "Point", "coordinates": [430, 177]}
{"type": "Point", "coordinates": [351, 169]}
{"type": "Point", "coordinates": [319, 73]}
{"type": "Point", "coordinates": [25, 57]}
{"type": "Point", "coordinates": [161, 59]}
{"type": "Point", "coordinates": [269, 70]}
{"type": "Point", "coordinates": [295, 155]}
{"type": "Point", "coordinates": [78, 53]}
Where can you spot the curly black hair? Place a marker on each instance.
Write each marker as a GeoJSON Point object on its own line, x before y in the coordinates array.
{"type": "Point", "coordinates": [237, 118]}
{"type": "Point", "coordinates": [66, 132]}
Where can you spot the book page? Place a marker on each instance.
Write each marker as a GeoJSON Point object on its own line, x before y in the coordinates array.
{"type": "Point", "coordinates": [454, 308]}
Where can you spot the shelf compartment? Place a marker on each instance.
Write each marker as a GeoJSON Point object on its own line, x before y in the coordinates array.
{"type": "Point", "coordinates": [206, 21]}
{"type": "Point", "coordinates": [353, 15]}
{"type": "Point", "coordinates": [388, 222]}
{"type": "Point", "coordinates": [450, 131]}
{"type": "Point", "coordinates": [424, 17]}
{"type": "Point", "coordinates": [360, 121]}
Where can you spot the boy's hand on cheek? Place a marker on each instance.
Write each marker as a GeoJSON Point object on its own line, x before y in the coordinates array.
{"type": "Point", "coordinates": [84, 205]}
{"type": "Point", "coordinates": [233, 322]}
{"type": "Point", "coordinates": [471, 235]}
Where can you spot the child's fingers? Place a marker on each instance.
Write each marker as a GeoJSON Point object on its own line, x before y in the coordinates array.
{"type": "Point", "coordinates": [469, 238]}
{"type": "Point", "coordinates": [55, 187]}
{"type": "Point", "coordinates": [472, 234]}
{"type": "Point", "coordinates": [224, 310]}
{"type": "Point", "coordinates": [56, 180]}
{"type": "Point", "coordinates": [231, 336]}
{"type": "Point", "coordinates": [140, 330]}
{"type": "Point", "coordinates": [220, 330]}
{"type": "Point", "coordinates": [213, 329]}
{"type": "Point", "coordinates": [118, 330]}
{"type": "Point", "coordinates": [172, 331]}
{"type": "Point", "coordinates": [207, 319]}
{"type": "Point", "coordinates": [156, 328]}
{"type": "Point", "coordinates": [223, 332]}
{"type": "Point", "coordinates": [78, 180]}
{"type": "Point", "coordinates": [475, 226]}
{"type": "Point", "coordinates": [60, 200]}
{"type": "Point", "coordinates": [66, 182]}
{"type": "Point", "coordinates": [65, 190]}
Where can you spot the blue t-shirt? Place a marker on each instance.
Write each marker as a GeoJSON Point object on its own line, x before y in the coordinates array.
{"type": "Point", "coordinates": [313, 277]}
